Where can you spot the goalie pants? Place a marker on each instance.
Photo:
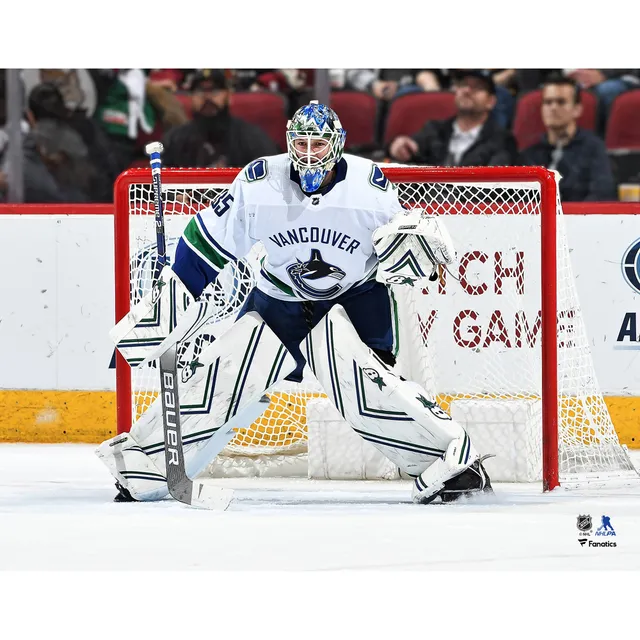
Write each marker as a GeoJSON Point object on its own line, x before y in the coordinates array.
{"type": "Point", "coordinates": [368, 307]}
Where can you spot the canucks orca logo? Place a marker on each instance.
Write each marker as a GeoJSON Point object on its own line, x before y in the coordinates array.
{"type": "Point", "coordinates": [315, 269]}
{"type": "Point", "coordinates": [631, 265]}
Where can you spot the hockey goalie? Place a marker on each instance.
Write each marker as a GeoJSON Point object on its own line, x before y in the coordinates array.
{"type": "Point", "coordinates": [335, 236]}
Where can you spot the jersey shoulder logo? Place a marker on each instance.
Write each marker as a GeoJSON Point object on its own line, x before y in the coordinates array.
{"type": "Point", "coordinates": [315, 269]}
{"type": "Point", "coordinates": [377, 179]}
{"type": "Point", "coordinates": [257, 170]}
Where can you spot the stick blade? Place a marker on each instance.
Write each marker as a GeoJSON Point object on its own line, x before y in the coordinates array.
{"type": "Point", "coordinates": [200, 495]}
{"type": "Point", "coordinates": [206, 496]}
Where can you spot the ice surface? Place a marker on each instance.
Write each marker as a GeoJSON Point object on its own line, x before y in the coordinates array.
{"type": "Point", "coordinates": [56, 512]}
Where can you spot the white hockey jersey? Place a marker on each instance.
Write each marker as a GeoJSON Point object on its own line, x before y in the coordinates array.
{"type": "Point", "coordinates": [317, 245]}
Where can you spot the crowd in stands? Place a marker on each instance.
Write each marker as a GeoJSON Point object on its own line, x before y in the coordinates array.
{"type": "Point", "coordinates": [82, 127]}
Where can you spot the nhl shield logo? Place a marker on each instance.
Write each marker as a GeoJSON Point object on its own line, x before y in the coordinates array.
{"type": "Point", "coordinates": [584, 524]}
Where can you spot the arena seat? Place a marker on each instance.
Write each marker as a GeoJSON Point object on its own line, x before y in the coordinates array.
{"type": "Point", "coordinates": [527, 121]}
{"type": "Point", "coordinates": [623, 125]}
{"type": "Point", "coordinates": [408, 113]}
{"type": "Point", "coordinates": [622, 137]}
{"type": "Point", "coordinates": [265, 109]}
{"type": "Point", "coordinates": [358, 112]}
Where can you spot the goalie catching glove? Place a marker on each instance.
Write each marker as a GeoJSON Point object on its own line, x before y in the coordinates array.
{"type": "Point", "coordinates": [411, 246]}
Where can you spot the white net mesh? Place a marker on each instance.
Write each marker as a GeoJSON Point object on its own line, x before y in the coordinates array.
{"type": "Point", "coordinates": [472, 340]}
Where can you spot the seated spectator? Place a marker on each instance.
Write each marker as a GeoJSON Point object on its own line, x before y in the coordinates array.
{"type": "Point", "coordinates": [46, 103]}
{"type": "Point", "coordinates": [607, 84]}
{"type": "Point", "coordinates": [134, 110]}
{"type": "Point", "coordinates": [55, 165]}
{"type": "Point", "coordinates": [470, 138]}
{"type": "Point", "coordinates": [214, 138]}
{"type": "Point", "coordinates": [124, 111]}
{"type": "Point", "coordinates": [578, 155]}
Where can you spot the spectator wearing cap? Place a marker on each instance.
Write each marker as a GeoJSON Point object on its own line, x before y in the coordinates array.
{"type": "Point", "coordinates": [214, 138]}
{"type": "Point", "coordinates": [578, 155]}
{"type": "Point", "coordinates": [46, 103]}
{"type": "Point", "coordinates": [470, 138]}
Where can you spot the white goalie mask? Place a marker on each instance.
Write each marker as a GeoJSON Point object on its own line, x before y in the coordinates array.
{"type": "Point", "coordinates": [315, 142]}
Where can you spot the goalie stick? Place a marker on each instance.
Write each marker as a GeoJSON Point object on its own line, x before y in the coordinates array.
{"type": "Point", "coordinates": [180, 486]}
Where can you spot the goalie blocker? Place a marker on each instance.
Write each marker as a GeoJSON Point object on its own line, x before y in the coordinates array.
{"type": "Point", "coordinates": [395, 415]}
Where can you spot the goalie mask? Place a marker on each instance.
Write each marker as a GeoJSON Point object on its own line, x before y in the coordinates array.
{"type": "Point", "coordinates": [315, 142]}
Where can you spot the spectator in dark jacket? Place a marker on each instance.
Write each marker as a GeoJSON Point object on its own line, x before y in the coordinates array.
{"type": "Point", "coordinates": [55, 164]}
{"type": "Point", "coordinates": [471, 138]}
{"type": "Point", "coordinates": [46, 102]}
{"type": "Point", "coordinates": [214, 138]}
{"type": "Point", "coordinates": [578, 155]}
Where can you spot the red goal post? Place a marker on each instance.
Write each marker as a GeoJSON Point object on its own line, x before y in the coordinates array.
{"type": "Point", "coordinates": [132, 179]}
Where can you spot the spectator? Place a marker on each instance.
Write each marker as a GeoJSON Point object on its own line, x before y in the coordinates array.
{"type": "Point", "coordinates": [214, 138]}
{"type": "Point", "coordinates": [76, 86]}
{"type": "Point", "coordinates": [46, 103]}
{"type": "Point", "coordinates": [124, 111]}
{"type": "Point", "coordinates": [607, 84]}
{"type": "Point", "coordinates": [134, 110]}
{"type": "Point", "coordinates": [578, 155]}
{"type": "Point", "coordinates": [470, 138]}
{"type": "Point", "coordinates": [55, 165]}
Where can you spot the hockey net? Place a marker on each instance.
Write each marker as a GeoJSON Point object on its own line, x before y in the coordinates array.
{"type": "Point", "coordinates": [499, 340]}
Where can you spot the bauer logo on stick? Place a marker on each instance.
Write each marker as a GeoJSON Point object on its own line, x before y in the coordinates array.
{"type": "Point", "coordinates": [170, 418]}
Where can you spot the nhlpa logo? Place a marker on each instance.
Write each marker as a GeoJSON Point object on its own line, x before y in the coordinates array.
{"type": "Point", "coordinates": [605, 529]}
{"type": "Point", "coordinates": [631, 266]}
{"type": "Point", "coordinates": [315, 269]}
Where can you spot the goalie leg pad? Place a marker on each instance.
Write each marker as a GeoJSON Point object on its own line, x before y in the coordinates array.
{"type": "Point", "coordinates": [221, 389]}
{"type": "Point", "coordinates": [395, 415]}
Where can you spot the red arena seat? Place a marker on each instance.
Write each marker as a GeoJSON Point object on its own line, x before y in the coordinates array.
{"type": "Point", "coordinates": [408, 113]}
{"type": "Point", "coordinates": [623, 126]}
{"type": "Point", "coordinates": [265, 109]}
{"type": "Point", "coordinates": [527, 121]}
{"type": "Point", "coordinates": [358, 112]}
